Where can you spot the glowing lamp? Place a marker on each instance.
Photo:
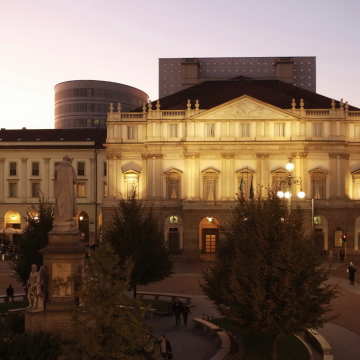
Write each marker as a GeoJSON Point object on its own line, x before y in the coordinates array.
{"type": "Point", "coordinates": [287, 194]}
{"type": "Point", "coordinates": [301, 194]}
{"type": "Point", "coordinates": [209, 218]}
{"type": "Point", "coordinates": [289, 166]}
{"type": "Point", "coordinates": [280, 194]}
{"type": "Point", "coordinates": [81, 218]}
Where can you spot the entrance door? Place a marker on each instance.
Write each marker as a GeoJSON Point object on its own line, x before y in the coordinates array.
{"type": "Point", "coordinates": [209, 240]}
{"type": "Point", "coordinates": [319, 241]}
{"type": "Point", "coordinates": [173, 240]}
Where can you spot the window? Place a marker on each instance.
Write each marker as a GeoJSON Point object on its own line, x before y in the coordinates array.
{"type": "Point", "coordinates": [245, 130]}
{"type": "Point", "coordinates": [80, 189]}
{"type": "Point", "coordinates": [356, 184]}
{"type": "Point", "coordinates": [105, 168]}
{"type": "Point", "coordinates": [35, 188]}
{"type": "Point", "coordinates": [279, 180]}
{"type": "Point", "coordinates": [13, 190]}
{"type": "Point", "coordinates": [210, 130]}
{"type": "Point", "coordinates": [210, 184]}
{"type": "Point", "coordinates": [81, 168]}
{"type": "Point", "coordinates": [173, 183]}
{"type": "Point", "coordinates": [13, 168]}
{"type": "Point", "coordinates": [318, 183]}
{"type": "Point", "coordinates": [105, 190]}
{"type": "Point", "coordinates": [131, 178]}
{"type": "Point", "coordinates": [245, 177]}
{"type": "Point", "coordinates": [131, 132]}
{"type": "Point", "coordinates": [174, 130]}
{"type": "Point", "coordinates": [280, 129]}
{"type": "Point", "coordinates": [173, 219]}
{"type": "Point", "coordinates": [35, 168]}
{"type": "Point", "coordinates": [317, 129]}
{"type": "Point", "coordinates": [210, 190]}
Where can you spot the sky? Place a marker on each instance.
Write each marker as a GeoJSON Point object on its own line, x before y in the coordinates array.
{"type": "Point", "coordinates": [43, 43]}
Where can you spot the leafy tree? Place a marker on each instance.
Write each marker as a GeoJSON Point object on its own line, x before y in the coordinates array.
{"type": "Point", "coordinates": [135, 233]}
{"type": "Point", "coordinates": [107, 324]}
{"type": "Point", "coordinates": [35, 238]}
{"type": "Point", "coordinates": [266, 275]}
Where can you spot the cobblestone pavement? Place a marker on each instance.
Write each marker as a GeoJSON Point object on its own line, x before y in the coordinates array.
{"type": "Point", "coordinates": [343, 334]}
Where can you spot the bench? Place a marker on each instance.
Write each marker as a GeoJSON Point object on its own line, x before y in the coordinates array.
{"type": "Point", "coordinates": [321, 342]}
{"type": "Point", "coordinates": [206, 325]}
{"type": "Point", "coordinates": [221, 354]}
{"type": "Point", "coordinates": [225, 339]}
{"type": "Point", "coordinates": [6, 298]}
{"type": "Point", "coordinates": [156, 296]}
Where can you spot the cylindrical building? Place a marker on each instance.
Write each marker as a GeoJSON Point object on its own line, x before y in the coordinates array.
{"type": "Point", "coordinates": [85, 103]}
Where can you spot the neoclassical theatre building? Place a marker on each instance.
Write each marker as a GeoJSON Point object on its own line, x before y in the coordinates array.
{"type": "Point", "coordinates": [188, 153]}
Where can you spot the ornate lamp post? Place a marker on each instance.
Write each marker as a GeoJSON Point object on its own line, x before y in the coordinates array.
{"type": "Point", "coordinates": [289, 180]}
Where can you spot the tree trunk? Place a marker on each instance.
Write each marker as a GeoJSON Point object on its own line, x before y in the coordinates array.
{"type": "Point", "coordinates": [135, 292]}
{"type": "Point", "coordinates": [274, 349]}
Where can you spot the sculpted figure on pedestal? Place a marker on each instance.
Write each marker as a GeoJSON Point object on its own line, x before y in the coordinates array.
{"type": "Point", "coordinates": [35, 293]}
{"type": "Point", "coordinates": [65, 200]}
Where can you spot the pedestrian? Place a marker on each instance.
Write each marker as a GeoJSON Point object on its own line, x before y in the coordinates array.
{"type": "Point", "coordinates": [148, 347]}
{"type": "Point", "coordinates": [10, 292]}
{"type": "Point", "coordinates": [185, 312]}
{"type": "Point", "coordinates": [351, 270]}
{"type": "Point", "coordinates": [330, 255]}
{"type": "Point", "coordinates": [165, 348]}
{"type": "Point", "coordinates": [342, 254]}
{"type": "Point", "coordinates": [323, 252]}
{"type": "Point", "coordinates": [177, 309]}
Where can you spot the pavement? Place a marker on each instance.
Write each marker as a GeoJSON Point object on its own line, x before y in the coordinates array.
{"type": "Point", "coordinates": [343, 333]}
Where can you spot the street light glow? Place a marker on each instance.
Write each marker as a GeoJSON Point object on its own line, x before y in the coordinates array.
{"type": "Point", "coordinates": [280, 194]}
{"type": "Point", "coordinates": [301, 194]}
{"type": "Point", "coordinates": [287, 194]}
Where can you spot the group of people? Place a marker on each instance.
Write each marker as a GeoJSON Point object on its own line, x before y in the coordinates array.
{"type": "Point", "coordinates": [180, 308]}
{"type": "Point", "coordinates": [164, 345]}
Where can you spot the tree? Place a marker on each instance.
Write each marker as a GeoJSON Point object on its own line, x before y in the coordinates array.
{"type": "Point", "coordinates": [39, 223]}
{"type": "Point", "coordinates": [136, 234]}
{"type": "Point", "coordinates": [107, 323]}
{"type": "Point", "coordinates": [266, 275]}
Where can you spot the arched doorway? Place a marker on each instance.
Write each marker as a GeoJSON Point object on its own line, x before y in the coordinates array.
{"type": "Point", "coordinates": [83, 225]}
{"type": "Point", "coordinates": [209, 235]}
{"type": "Point", "coordinates": [173, 230]}
{"type": "Point", "coordinates": [321, 237]}
{"type": "Point", "coordinates": [12, 230]}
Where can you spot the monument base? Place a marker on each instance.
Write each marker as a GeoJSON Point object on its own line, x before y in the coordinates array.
{"type": "Point", "coordinates": [54, 322]}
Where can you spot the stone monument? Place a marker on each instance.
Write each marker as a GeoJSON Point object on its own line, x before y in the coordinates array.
{"type": "Point", "coordinates": [64, 256]}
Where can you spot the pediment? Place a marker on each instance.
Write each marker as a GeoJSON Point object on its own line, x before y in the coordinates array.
{"type": "Point", "coordinates": [318, 171]}
{"type": "Point", "coordinates": [210, 170]}
{"type": "Point", "coordinates": [356, 172]}
{"type": "Point", "coordinates": [173, 170]}
{"type": "Point", "coordinates": [248, 108]}
{"type": "Point", "coordinates": [131, 172]}
{"type": "Point", "coordinates": [245, 170]}
{"type": "Point", "coordinates": [280, 170]}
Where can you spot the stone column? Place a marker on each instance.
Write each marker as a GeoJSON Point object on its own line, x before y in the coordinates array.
{"type": "Point", "coordinates": [187, 178]}
{"type": "Point", "coordinates": [24, 182]}
{"type": "Point", "coordinates": [92, 180]}
{"type": "Point", "coordinates": [46, 177]}
{"type": "Point", "coordinates": [119, 180]}
{"type": "Point", "coordinates": [258, 168]}
{"type": "Point", "coordinates": [266, 173]}
{"type": "Point", "coordinates": [303, 173]}
{"type": "Point", "coordinates": [2, 180]}
{"type": "Point", "coordinates": [223, 177]}
{"type": "Point", "coordinates": [333, 175]}
{"type": "Point", "coordinates": [143, 178]}
{"type": "Point", "coordinates": [197, 176]}
{"type": "Point", "coordinates": [344, 169]}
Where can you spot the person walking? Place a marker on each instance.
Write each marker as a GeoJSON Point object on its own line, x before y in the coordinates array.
{"type": "Point", "coordinates": [342, 254]}
{"type": "Point", "coordinates": [177, 309]}
{"type": "Point", "coordinates": [330, 255]}
{"type": "Point", "coordinates": [10, 292]}
{"type": "Point", "coordinates": [185, 312]}
{"type": "Point", "coordinates": [351, 270]}
{"type": "Point", "coordinates": [148, 347]}
{"type": "Point", "coordinates": [165, 348]}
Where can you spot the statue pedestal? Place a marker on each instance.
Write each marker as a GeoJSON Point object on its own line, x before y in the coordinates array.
{"type": "Point", "coordinates": [64, 257]}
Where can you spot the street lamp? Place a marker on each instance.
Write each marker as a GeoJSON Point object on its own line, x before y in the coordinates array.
{"type": "Point", "coordinates": [289, 180]}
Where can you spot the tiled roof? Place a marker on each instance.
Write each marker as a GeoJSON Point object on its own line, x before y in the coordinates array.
{"type": "Point", "coordinates": [84, 136]}
{"type": "Point", "coordinates": [216, 92]}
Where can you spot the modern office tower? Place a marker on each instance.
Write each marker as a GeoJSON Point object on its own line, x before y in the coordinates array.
{"type": "Point", "coordinates": [177, 74]}
{"type": "Point", "coordinates": [85, 103]}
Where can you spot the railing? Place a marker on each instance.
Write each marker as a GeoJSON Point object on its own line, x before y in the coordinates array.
{"type": "Point", "coordinates": [324, 113]}
{"type": "Point", "coordinates": [178, 113]}
{"type": "Point", "coordinates": [353, 114]}
{"type": "Point", "coordinates": [132, 116]}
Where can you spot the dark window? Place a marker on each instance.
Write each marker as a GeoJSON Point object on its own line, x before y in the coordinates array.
{"type": "Point", "coordinates": [35, 168]}
{"type": "Point", "coordinates": [35, 190]}
{"type": "Point", "coordinates": [13, 168]}
{"type": "Point", "coordinates": [105, 169]}
{"type": "Point", "coordinates": [81, 168]}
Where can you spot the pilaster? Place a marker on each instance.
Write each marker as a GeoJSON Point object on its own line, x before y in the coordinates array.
{"type": "Point", "coordinates": [2, 180]}
{"type": "Point", "coordinates": [46, 177]}
{"type": "Point", "coordinates": [24, 181]}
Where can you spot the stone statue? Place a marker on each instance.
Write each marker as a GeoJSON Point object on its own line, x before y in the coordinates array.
{"type": "Point", "coordinates": [35, 293]}
{"type": "Point", "coordinates": [65, 200]}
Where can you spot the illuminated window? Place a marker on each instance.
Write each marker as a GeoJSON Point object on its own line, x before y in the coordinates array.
{"type": "Point", "coordinates": [13, 190]}
{"type": "Point", "coordinates": [173, 219]}
{"type": "Point", "coordinates": [173, 130]}
{"type": "Point", "coordinates": [210, 130]}
{"type": "Point", "coordinates": [245, 130]}
{"type": "Point", "coordinates": [317, 129]}
{"type": "Point", "coordinates": [131, 132]}
{"type": "Point", "coordinates": [210, 184]}
{"type": "Point", "coordinates": [173, 184]}
{"type": "Point", "coordinates": [81, 168]}
{"type": "Point", "coordinates": [318, 183]}
{"type": "Point", "coordinates": [81, 189]}
{"type": "Point", "coordinates": [35, 168]}
{"type": "Point", "coordinates": [279, 180]}
{"type": "Point", "coordinates": [35, 188]}
{"type": "Point", "coordinates": [105, 190]}
{"type": "Point", "coordinates": [318, 220]}
{"type": "Point", "coordinates": [13, 168]}
{"type": "Point", "coordinates": [280, 129]}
